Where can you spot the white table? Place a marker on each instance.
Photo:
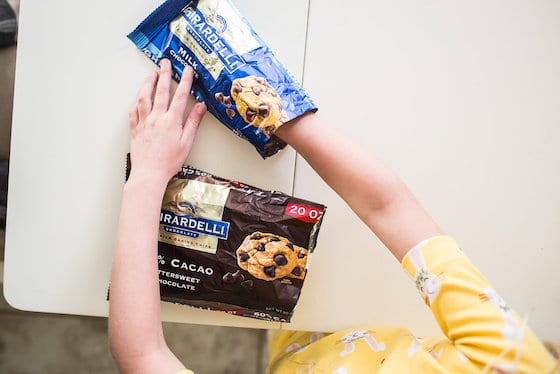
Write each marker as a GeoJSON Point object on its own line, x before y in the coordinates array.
{"type": "Point", "coordinates": [460, 98]}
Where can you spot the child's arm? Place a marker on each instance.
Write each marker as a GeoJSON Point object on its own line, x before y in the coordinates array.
{"type": "Point", "coordinates": [371, 189]}
{"type": "Point", "coordinates": [468, 310]}
{"type": "Point", "coordinates": [160, 141]}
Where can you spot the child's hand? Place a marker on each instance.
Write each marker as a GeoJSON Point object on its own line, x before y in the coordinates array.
{"type": "Point", "coordinates": [160, 137]}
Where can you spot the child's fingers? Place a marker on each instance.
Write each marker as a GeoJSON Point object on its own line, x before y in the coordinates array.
{"type": "Point", "coordinates": [161, 99]}
{"type": "Point", "coordinates": [133, 118]}
{"type": "Point", "coordinates": [192, 122]}
{"type": "Point", "coordinates": [144, 105]}
{"type": "Point", "coordinates": [179, 103]}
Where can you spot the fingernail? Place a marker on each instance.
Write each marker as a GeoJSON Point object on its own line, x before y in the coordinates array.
{"type": "Point", "coordinates": [201, 106]}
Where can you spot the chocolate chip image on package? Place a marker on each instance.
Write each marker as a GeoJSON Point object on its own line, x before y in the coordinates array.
{"type": "Point", "coordinates": [268, 256]}
{"type": "Point", "coordinates": [227, 246]}
{"type": "Point", "coordinates": [238, 77]}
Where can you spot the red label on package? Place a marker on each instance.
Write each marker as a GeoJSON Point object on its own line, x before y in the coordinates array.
{"type": "Point", "coordinates": [303, 212]}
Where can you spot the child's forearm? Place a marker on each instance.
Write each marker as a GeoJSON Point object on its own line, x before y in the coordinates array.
{"type": "Point", "coordinates": [371, 189]}
{"type": "Point", "coordinates": [161, 136]}
{"type": "Point", "coordinates": [134, 313]}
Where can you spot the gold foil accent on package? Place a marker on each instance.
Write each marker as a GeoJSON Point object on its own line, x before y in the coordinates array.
{"type": "Point", "coordinates": [237, 34]}
{"type": "Point", "coordinates": [210, 60]}
{"type": "Point", "coordinates": [193, 199]}
{"type": "Point", "coordinates": [225, 21]}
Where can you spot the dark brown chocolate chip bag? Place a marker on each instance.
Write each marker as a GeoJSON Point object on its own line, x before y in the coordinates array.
{"type": "Point", "coordinates": [205, 219]}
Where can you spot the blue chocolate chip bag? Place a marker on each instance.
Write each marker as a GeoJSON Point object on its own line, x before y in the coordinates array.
{"type": "Point", "coordinates": [237, 76]}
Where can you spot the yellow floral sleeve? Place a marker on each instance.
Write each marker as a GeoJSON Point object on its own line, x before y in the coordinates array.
{"type": "Point", "coordinates": [479, 323]}
{"type": "Point", "coordinates": [483, 334]}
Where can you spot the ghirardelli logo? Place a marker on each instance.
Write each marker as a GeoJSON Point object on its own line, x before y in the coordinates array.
{"type": "Point", "coordinates": [206, 27]}
{"type": "Point", "coordinates": [190, 209]}
{"type": "Point", "coordinates": [176, 200]}
{"type": "Point", "coordinates": [187, 208]}
{"type": "Point", "coordinates": [216, 21]}
{"type": "Point", "coordinates": [192, 227]}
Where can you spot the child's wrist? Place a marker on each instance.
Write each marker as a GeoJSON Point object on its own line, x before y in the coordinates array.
{"type": "Point", "coordinates": [148, 180]}
{"type": "Point", "coordinates": [289, 130]}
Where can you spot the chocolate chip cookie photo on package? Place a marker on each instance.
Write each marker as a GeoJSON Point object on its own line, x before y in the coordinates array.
{"type": "Point", "coordinates": [238, 77]}
{"type": "Point", "coordinates": [227, 246]}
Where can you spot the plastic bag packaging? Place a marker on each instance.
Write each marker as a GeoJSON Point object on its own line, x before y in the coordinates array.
{"type": "Point", "coordinates": [237, 76]}
{"type": "Point", "coordinates": [224, 245]}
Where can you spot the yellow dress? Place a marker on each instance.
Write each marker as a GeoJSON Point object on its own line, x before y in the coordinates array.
{"type": "Point", "coordinates": [482, 333]}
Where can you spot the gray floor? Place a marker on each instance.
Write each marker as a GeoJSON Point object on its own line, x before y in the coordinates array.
{"type": "Point", "coordinates": [47, 343]}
